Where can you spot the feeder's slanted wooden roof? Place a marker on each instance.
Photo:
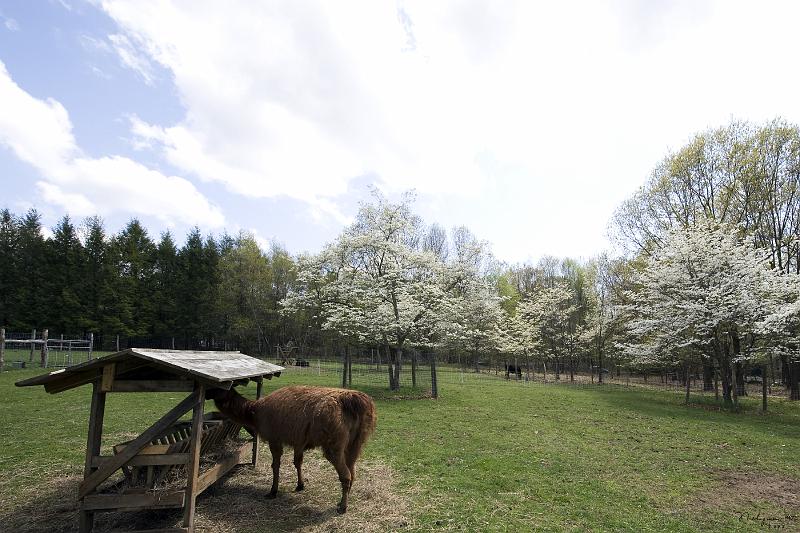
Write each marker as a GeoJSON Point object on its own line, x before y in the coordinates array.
{"type": "Point", "coordinates": [209, 367]}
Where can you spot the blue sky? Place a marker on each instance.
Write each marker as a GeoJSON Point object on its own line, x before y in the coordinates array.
{"type": "Point", "coordinates": [529, 123]}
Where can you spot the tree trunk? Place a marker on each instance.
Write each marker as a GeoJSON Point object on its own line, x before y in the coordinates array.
{"type": "Point", "coordinates": [414, 368]}
{"type": "Point", "coordinates": [794, 380]}
{"type": "Point", "coordinates": [708, 376]}
{"type": "Point", "coordinates": [558, 370]}
{"type": "Point", "coordinates": [397, 368]}
{"type": "Point", "coordinates": [527, 366]}
{"type": "Point", "coordinates": [572, 369]}
{"type": "Point", "coordinates": [390, 362]}
{"type": "Point", "coordinates": [688, 382]}
{"type": "Point", "coordinates": [725, 371]}
{"type": "Point", "coordinates": [764, 388]}
{"type": "Point", "coordinates": [741, 390]}
{"type": "Point", "coordinates": [345, 356]}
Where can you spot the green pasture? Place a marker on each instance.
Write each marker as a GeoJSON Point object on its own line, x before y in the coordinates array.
{"type": "Point", "coordinates": [494, 456]}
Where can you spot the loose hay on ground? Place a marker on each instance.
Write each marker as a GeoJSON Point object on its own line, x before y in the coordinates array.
{"type": "Point", "coordinates": [239, 503]}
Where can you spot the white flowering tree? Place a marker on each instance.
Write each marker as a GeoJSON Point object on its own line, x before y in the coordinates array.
{"type": "Point", "coordinates": [781, 328]}
{"type": "Point", "coordinates": [546, 318]}
{"type": "Point", "coordinates": [376, 284]}
{"type": "Point", "coordinates": [708, 291]}
{"type": "Point", "coordinates": [472, 322]}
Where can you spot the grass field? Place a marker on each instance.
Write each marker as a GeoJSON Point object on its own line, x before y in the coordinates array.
{"type": "Point", "coordinates": [493, 457]}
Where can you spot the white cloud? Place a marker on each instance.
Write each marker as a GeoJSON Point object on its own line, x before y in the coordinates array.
{"type": "Point", "coordinates": [132, 58]}
{"type": "Point", "coordinates": [39, 132]}
{"type": "Point", "coordinates": [579, 99]}
{"type": "Point", "coordinates": [295, 100]}
{"type": "Point", "coordinates": [10, 23]}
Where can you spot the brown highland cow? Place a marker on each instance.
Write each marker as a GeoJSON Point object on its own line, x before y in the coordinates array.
{"type": "Point", "coordinates": [337, 420]}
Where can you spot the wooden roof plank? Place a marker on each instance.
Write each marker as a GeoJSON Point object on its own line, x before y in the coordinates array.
{"type": "Point", "coordinates": [214, 368]}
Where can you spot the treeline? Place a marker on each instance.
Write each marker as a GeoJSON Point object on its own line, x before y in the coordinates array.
{"type": "Point", "coordinates": [708, 286]}
{"type": "Point", "coordinates": [207, 292]}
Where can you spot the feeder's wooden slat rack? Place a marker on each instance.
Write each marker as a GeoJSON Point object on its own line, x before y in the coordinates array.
{"type": "Point", "coordinates": [169, 445]}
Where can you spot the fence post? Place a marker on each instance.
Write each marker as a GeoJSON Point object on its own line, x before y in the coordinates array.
{"type": "Point", "coordinates": [117, 342]}
{"type": "Point", "coordinates": [44, 354]}
{"type": "Point", "coordinates": [33, 345]}
{"type": "Point", "coordinates": [173, 343]}
{"type": "Point", "coordinates": [434, 384]}
{"type": "Point", "coordinates": [91, 344]}
{"type": "Point", "coordinates": [2, 348]}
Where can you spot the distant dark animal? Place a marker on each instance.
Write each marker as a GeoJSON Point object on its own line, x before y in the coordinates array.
{"type": "Point", "coordinates": [301, 362]}
{"type": "Point", "coordinates": [514, 369]}
{"type": "Point", "coordinates": [337, 420]}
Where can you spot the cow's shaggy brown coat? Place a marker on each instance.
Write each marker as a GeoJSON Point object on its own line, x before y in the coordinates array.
{"type": "Point", "coordinates": [337, 420]}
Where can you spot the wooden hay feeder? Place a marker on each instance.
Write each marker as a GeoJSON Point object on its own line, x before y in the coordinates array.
{"type": "Point", "coordinates": [169, 446]}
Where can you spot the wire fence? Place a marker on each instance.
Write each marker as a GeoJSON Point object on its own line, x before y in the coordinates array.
{"type": "Point", "coordinates": [415, 375]}
{"type": "Point", "coordinates": [418, 373]}
{"type": "Point", "coordinates": [39, 349]}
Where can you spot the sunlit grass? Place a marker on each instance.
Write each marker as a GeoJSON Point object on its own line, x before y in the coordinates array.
{"type": "Point", "coordinates": [493, 456]}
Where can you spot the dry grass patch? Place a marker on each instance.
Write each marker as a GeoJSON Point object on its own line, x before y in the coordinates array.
{"type": "Point", "coordinates": [738, 488]}
{"type": "Point", "coordinates": [239, 503]}
{"type": "Point", "coordinates": [759, 499]}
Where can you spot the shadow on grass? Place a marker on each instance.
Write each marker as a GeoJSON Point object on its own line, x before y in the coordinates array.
{"type": "Point", "coordinates": [785, 422]}
{"type": "Point", "coordinates": [238, 503]}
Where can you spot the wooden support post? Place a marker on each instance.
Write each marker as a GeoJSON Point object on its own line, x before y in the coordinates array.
{"type": "Point", "coordinates": [194, 459]}
{"type": "Point", "coordinates": [256, 438]}
{"type": "Point", "coordinates": [93, 441]}
{"type": "Point", "coordinates": [108, 377]}
{"type": "Point", "coordinates": [2, 348]}
{"type": "Point", "coordinates": [44, 349]}
{"type": "Point", "coordinates": [33, 345]}
{"type": "Point", "coordinates": [116, 462]}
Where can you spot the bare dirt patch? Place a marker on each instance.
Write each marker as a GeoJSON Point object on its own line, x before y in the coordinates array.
{"type": "Point", "coordinates": [764, 500]}
{"type": "Point", "coordinates": [239, 503]}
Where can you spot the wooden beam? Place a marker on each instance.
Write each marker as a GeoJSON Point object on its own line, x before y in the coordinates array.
{"type": "Point", "coordinates": [108, 377]}
{"type": "Point", "coordinates": [115, 463]}
{"type": "Point", "coordinates": [75, 380]}
{"type": "Point", "coordinates": [149, 449]}
{"type": "Point", "coordinates": [256, 438]}
{"type": "Point", "coordinates": [93, 440]}
{"type": "Point", "coordinates": [209, 477]}
{"type": "Point", "coordinates": [152, 385]}
{"type": "Point", "coordinates": [147, 460]}
{"type": "Point", "coordinates": [193, 467]}
{"type": "Point", "coordinates": [141, 500]}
